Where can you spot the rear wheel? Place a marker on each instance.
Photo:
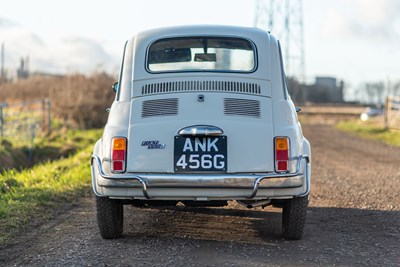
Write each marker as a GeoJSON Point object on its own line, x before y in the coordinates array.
{"type": "Point", "coordinates": [110, 217]}
{"type": "Point", "coordinates": [294, 217]}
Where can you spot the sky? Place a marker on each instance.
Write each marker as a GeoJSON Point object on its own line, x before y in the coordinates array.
{"type": "Point", "coordinates": [352, 40]}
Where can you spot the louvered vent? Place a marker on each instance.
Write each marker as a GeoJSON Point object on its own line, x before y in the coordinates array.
{"type": "Point", "coordinates": [242, 107]}
{"type": "Point", "coordinates": [160, 107]}
{"type": "Point", "coordinates": [182, 86]}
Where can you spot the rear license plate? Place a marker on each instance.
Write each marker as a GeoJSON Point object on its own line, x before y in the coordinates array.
{"type": "Point", "coordinates": [200, 154]}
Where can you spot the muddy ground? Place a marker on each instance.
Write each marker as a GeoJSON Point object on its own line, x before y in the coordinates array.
{"type": "Point", "coordinates": [353, 220]}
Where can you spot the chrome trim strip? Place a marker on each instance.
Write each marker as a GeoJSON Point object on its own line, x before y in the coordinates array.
{"type": "Point", "coordinates": [173, 183]}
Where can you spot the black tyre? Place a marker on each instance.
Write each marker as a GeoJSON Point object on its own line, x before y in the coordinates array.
{"type": "Point", "coordinates": [110, 217]}
{"type": "Point", "coordinates": [293, 217]}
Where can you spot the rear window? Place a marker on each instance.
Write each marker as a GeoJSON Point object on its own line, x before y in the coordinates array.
{"type": "Point", "coordinates": [222, 54]}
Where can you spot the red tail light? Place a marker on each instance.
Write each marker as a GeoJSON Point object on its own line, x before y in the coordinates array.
{"type": "Point", "coordinates": [281, 154]}
{"type": "Point", "coordinates": [118, 154]}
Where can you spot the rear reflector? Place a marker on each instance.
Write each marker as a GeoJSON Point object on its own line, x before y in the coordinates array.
{"type": "Point", "coordinates": [281, 154]}
{"type": "Point", "coordinates": [118, 154]}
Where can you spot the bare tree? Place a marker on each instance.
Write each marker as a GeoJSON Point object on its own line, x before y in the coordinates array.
{"type": "Point", "coordinates": [395, 89]}
{"type": "Point", "coordinates": [375, 92]}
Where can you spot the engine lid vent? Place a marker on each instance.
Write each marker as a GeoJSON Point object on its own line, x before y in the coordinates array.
{"type": "Point", "coordinates": [242, 107]}
{"type": "Point", "coordinates": [160, 107]}
{"type": "Point", "coordinates": [219, 86]}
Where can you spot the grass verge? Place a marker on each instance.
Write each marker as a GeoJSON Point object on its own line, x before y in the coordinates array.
{"type": "Point", "coordinates": [61, 143]}
{"type": "Point", "coordinates": [371, 130]}
{"type": "Point", "coordinates": [34, 194]}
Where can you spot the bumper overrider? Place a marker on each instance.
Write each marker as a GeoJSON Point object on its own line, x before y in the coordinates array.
{"type": "Point", "coordinates": [250, 182]}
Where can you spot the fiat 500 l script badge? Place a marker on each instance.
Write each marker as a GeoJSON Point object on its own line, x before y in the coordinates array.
{"type": "Point", "coordinates": [153, 144]}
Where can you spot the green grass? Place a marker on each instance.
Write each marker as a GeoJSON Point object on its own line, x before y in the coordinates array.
{"type": "Point", "coordinates": [34, 194]}
{"type": "Point", "coordinates": [371, 130]}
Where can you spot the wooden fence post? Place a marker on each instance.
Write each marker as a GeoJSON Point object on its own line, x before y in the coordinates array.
{"type": "Point", "coordinates": [48, 114]}
{"type": "Point", "coordinates": [385, 114]}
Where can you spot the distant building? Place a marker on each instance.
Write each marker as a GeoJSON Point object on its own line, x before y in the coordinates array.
{"type": "Point", "coordinates": [324, 90]}
{"type": "Point", "coordinates": [23, 70]}
{"type": "Point", "coordinates": [334, 93]}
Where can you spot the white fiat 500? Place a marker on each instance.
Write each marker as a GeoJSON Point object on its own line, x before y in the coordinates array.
{"type": "Point", "coordinates": [202, 116]}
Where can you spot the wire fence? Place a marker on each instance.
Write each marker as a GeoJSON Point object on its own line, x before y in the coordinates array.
{"type": "Point", "coordinates": [21, 121]}
{"type": "Point", "coordinates": [392, 112]}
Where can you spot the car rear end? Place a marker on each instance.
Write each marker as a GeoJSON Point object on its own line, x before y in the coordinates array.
{"type": "Point", "coordinates": [206, 119]}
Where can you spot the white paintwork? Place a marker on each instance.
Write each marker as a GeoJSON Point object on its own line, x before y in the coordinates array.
{"type": "Point", "coordinates": [250, 140]}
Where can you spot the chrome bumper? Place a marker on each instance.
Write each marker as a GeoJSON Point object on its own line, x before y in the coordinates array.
{"type": "Point", "coordinates": [252, 182]}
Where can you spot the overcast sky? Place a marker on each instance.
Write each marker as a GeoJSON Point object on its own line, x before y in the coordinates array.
{"type": "Point", "coordinates": [354, 40]}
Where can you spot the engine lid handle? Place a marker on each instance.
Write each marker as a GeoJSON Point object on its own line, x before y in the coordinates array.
{"type": "Point", "coordinates": [201, 130]}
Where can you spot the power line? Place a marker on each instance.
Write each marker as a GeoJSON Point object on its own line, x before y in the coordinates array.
{"type": "Point", "coordinates": [284, 18]}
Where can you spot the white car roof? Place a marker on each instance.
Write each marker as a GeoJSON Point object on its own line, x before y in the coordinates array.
{"type": "Point", "coordinates": [201, 30]}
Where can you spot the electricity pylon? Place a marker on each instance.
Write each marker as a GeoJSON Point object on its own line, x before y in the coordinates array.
{"type": "Point", "coordinates": [284, 19]}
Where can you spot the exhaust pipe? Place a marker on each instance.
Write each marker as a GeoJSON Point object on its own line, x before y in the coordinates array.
{"type": "Point", "coordinates": [255, 204]}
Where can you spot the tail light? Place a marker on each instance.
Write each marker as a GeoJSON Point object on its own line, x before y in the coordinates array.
{"type": "Point", "coordinates": [118, 154]}
{"type": "Point", "coordinates": [281, 154]}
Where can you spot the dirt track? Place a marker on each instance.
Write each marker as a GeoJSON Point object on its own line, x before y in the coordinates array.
{"type": "Point", "coordinates": [353, 220]}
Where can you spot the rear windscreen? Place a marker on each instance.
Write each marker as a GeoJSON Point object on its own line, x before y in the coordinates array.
{"type": "Point", "coordinates": [201, 54]}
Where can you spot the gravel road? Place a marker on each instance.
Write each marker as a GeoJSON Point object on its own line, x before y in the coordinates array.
{"type": "Point", "coordinates": [353, 220]}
